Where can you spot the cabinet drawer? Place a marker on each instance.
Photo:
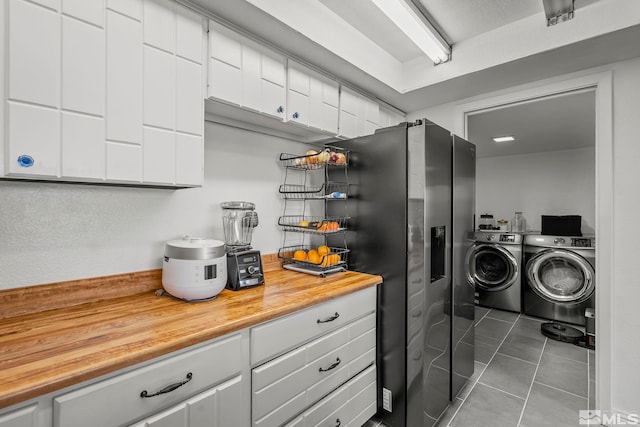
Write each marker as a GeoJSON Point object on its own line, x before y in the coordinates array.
{"type": "Point", "coordinates": [216, 407]}
{"type": "Point", "coordinates": [208, 365]}
{"type": "Point", "coordinates": [350, 405]}
{"type": "Point", "coordinates": [287, 385]}
{"type": "Point", "coordinates": [276, 337]}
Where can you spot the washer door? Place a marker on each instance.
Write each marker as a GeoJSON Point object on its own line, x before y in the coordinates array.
{"type": "Point", "coordinates": [558, 275]}
{"type": "Point", "coordinates": [491, 267]}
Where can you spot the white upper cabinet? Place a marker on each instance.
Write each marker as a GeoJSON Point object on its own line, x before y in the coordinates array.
{"type": "Point", "coordinates": [389, 117]}
{"type": "Point", "coordinates": [312, 99]}
{"type": "Point", "coordinates": [245, 74]}
{"type": "Point", "coordinates": [358, 115]}
{"type": "Point", "coordinates": [114, 86]}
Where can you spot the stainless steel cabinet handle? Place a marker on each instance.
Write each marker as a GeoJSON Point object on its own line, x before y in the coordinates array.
{"type": "Point", "coordinates": [329, 319]}
{"type": "Point", "coordinates": [169, 388]}
{"type": "Point", "coordinates": [332, 366]}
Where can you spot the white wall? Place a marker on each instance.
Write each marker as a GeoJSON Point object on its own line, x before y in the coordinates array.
{"type": "Point", "coordinates": [58, 232]}
{"type": "Point", "coordinates": [625, 287]}
{"type": "Point", "coordinates": [552, 183]}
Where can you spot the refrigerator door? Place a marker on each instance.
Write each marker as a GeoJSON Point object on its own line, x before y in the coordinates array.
{"type": "Point", "coordinates": [436, 361]}
{"type": "Point", "coordinates": [377, 240]}
{"type": "Point", "coordinates": [462, 330]}
{"type": "Point", "coordinates": [416, 276]}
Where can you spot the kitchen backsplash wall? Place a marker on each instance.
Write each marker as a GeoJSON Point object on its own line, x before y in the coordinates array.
{"type": "Point", "coordinates": [57, 232]}
{"type": "Point", "coordinates": [551, 183]}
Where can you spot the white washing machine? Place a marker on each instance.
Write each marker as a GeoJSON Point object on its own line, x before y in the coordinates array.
{"type": "Point", "coordinates": [494, 267]}
{"type": "Point", "coordinates": [559, 280]}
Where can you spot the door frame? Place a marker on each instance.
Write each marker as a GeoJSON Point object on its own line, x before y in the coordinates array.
{"type": "Point", "coordinates": [602, 83]}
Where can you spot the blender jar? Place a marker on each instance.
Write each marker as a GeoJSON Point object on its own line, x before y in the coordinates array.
{"type": "Point", "coordinates": [238, 221]}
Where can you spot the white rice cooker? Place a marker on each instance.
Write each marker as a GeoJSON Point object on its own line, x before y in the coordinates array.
{"type": "Point", "coordinates": [194, 268]}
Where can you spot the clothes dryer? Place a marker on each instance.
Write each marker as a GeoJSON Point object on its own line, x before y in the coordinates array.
{"type": "Point", "coordinates": [559, 280]}
{"type": "Point", "coordinates": [494, 267]}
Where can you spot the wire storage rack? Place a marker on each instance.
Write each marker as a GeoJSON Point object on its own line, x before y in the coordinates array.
{"type": "Point", "coordinates": [305, 212]}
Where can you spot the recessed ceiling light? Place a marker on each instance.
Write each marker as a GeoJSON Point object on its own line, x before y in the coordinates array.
{"type": "Point", "coordinates": [503, 139]}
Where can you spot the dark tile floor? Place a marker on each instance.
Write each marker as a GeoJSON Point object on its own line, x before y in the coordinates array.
{"type": "Point", "coordinates": [521, 378]}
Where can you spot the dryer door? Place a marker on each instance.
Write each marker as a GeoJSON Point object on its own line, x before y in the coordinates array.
{"type": "Point", "coordinates": [491, 267]}
{"type": "Point", "coordinates": [557, 275]}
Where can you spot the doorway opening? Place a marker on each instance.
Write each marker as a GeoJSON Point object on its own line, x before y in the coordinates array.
{"type": "Point", "coordinates": [599, 85]}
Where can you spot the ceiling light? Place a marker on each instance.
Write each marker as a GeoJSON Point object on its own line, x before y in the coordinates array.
{"type": "Point", "coordinates": [557, 11]}
{"type": "Point", "coordinates": [503, 139]}
{"type": "Point", "coordinates": [414, 24]}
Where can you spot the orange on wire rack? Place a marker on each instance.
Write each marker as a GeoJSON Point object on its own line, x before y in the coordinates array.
{"type": "Point", "coordinates": [313, 256]}
{"type": "Point", "coordinates": [300, 255]}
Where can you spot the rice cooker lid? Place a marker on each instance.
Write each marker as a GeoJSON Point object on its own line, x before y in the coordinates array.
{"type": "Point", "coordinates": [194, 248]}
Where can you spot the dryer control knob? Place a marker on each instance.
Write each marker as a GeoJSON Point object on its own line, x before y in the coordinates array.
{"type": "Point", "coordinates": [491, 237]}
{"type": "Point", "coordinates": [559, 241]}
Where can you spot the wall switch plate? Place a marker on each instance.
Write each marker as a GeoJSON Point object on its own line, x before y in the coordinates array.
{"type": "Point", "coordinates": [386, 399]}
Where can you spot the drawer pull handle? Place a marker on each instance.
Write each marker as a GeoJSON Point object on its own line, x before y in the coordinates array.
{"type": "Point", "coordinates": [339, 423]}
{"type": "Point", "coordinates": [329, 319]}
{"type": "Point", "coordinates": [169, 388]}
{"type": "Point", "coordinates": [333, 365]}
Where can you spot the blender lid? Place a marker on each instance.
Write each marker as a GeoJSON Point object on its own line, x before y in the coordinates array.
{"type": "Point", "coordinates": [238, 205]}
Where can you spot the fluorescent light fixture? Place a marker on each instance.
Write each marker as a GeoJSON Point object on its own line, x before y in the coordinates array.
{"type": "Point", "coordinates": [557, 11]}
{"type": "Point", "coordinates": [503, 139]}
{"type": "Point", "coordinates": [411, 22]}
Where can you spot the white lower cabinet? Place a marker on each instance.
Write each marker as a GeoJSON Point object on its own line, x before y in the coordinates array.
{"type": "Point", "coordinates": [25, 417]}
{"type": "Point", "coordinates": [195, 385]}
{"type": "Point", "coordinates": [319, 366]}
{"type": "Point", "coordinates": [351, 405]}
{"type": "Point", "coordinates": [203, 410]}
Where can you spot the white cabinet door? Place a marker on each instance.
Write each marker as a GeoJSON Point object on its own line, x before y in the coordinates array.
{"type": "Point", "coordinates": [83, 67]}
{"type": "Point", "coordinates": [244, 73]}
{"type": "Point", "coordinates": [315, 96]}
{"type": "Point", "coordinates": [225, 62]}
{"type": "Point", "coordinates": [189, 160]}
{"type": "Point", "coordinates": [189, 34]}
{"type": "Point", "coordinates": [273, 78]}
{"type": "Point", "coordinates": [251, 79]}
{"type": "Point", "coordinates": [358, 115]}
{"type": "Point", "coordinates": [189, 97]}
{"type": "Point", "coordinates": [25, 417]}
{"type": "Point", "coordinates": [159, 156]}
{"type": "Point", "coordinates": [159, 88]}
{"type": "Point", "coordinates": [159, 22]}
{"type": "Point", "coordinates": [216, 407]}
{"type": "Point", "coordinates": [34, 53]}
{"type": "Point", "coordinates": [34, 140]}
{"type": "Point", "coordinates": [83, 146]}
{"type": "Point", "coordinates": [124, 79]}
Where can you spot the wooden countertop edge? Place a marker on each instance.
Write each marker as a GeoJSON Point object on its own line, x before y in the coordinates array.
{"type": "Point", "coordinates": [96, 365]}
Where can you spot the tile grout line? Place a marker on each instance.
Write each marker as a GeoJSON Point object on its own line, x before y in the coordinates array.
{"type": "Point", "coordinates": [485, 367]}
{"type": "Point", "coordinates": [500, 390]}
{"type": "Point", "coordinates": [559, 389]}
{"type": "Point", "coordinates": [533, 380]}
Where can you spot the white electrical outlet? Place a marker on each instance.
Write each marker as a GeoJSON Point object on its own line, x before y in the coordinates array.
{"type": "Point", "coordinates": [386, 399]}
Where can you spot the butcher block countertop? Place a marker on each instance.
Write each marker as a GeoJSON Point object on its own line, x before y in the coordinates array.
{"type": "Point", "coordinates": [54, 336]}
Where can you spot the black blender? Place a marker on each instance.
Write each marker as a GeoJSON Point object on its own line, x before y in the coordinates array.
{"type": "Point", "coordinates": [244, 265]}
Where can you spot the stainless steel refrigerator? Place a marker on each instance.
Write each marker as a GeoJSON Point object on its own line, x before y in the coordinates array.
{"type": "Point", "coordinates": [410, 206]}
